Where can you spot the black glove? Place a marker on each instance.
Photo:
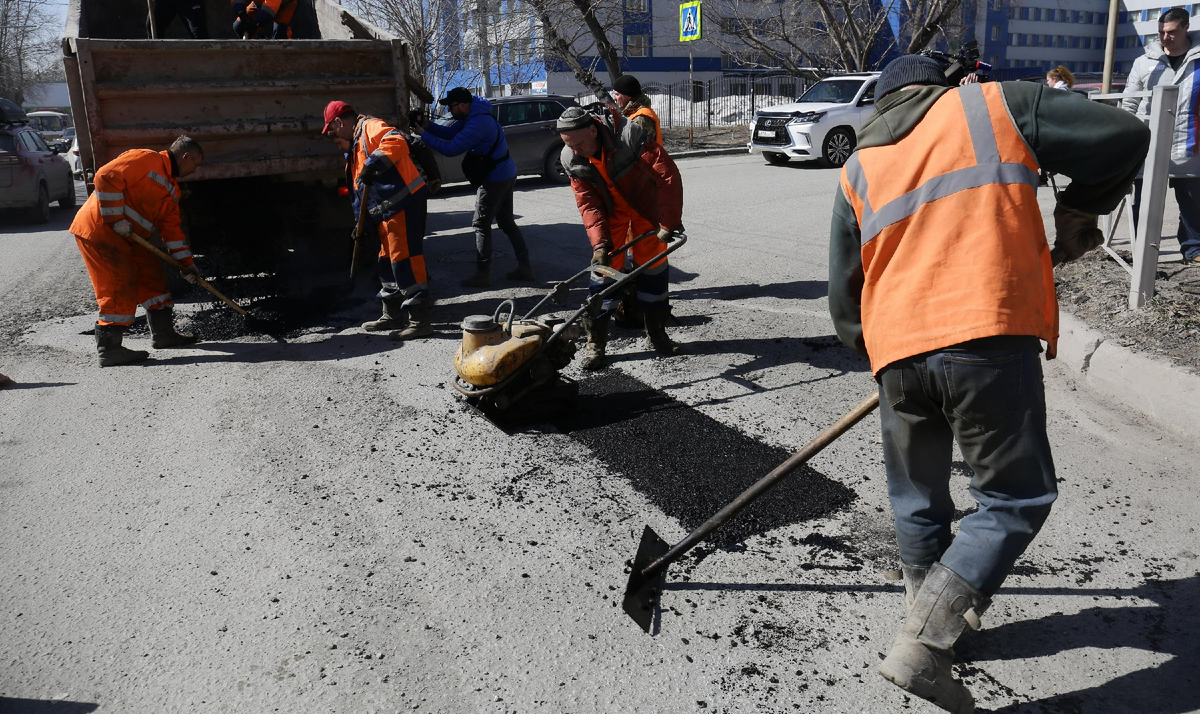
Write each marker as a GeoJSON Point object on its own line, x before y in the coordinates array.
{"type": "Point", "coordinates": [354, 233]}
{"type": "Point", "coordinates": [369, 174]}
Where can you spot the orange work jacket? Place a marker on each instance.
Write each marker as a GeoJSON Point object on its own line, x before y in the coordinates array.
{"type": "Point", "coordinates": [645, 111]}
{"type": "Point", "coordinates": [138, 187]}
{"type": "Point", "coordinates": [953, 247]}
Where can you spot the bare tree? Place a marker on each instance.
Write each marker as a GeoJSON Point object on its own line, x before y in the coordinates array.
{"type": "Point", "coordinates": [29, 51]}
{"type": "Point", "coordinates": [565, 39]}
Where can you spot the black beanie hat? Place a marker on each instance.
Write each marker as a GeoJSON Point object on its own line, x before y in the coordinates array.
{"type": "Point", "coordinates": [458, 95]}
{"type": "Point", "coordinates": [628, 85]}
{"type": "Point", "coordinates": [909, 69]}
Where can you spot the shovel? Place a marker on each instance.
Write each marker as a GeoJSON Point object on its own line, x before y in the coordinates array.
{"type": "Point", "coordinates": [649, 571]}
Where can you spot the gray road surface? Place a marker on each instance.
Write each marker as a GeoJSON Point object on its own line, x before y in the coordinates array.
{"type": "Point", "coordinates": [319, 526]}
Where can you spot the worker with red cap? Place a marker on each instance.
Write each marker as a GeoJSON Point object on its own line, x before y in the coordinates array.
{"type": "Point", "coordinates": [136, 194]}
{"type": "Point", "coordinates": [380, 170]}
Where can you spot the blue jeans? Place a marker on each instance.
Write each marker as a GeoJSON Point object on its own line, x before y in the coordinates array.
{"type": "Point", "coordinates": [987, 394]}
{"type": "Point", "coordinates": [1187, 195]}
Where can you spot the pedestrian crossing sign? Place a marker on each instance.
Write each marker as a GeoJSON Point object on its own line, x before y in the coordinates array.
{"type": "Point", "coordinates": [689, 21]}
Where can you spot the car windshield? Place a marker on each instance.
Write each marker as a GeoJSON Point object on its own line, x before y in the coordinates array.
{"type": "Point", "coordinates": [836, 91]}
{"type": "Point", "coordinates": [46, 123]}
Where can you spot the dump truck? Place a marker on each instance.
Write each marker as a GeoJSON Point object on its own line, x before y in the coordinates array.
{"type": "Point", "coordinates": [270, 197]}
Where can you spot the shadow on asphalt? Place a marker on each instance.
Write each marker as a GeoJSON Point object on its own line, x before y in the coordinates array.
{"type": "Point", "coordinates": [797, 290]}
{"type": "Point", "coordinates": [1168, 627]}
{"type": "Point", "coordinates": [36, 385]}
{"type": "Point", "coordinates": [43, 706]}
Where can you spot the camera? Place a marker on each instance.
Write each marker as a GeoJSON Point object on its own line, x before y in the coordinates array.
{"type": "Point", "coordinates": [961, 64]}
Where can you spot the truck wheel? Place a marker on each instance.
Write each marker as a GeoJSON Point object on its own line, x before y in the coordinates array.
{"type": "Point", "coordinates": [552, 169]}
{"type": "Point", "coordinates": [68, 200]}
{"type": "Point", "coordinates": [40, 212]}
{"type": "Point", "coordinates": [775, 158]}
{"type": "Point", "coordinates": [839, 144]}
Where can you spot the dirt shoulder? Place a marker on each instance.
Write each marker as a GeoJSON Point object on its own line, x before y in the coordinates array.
{"type": "Point", "coordinates": [1095, 289]}
{"type": "Point", "coordinates": [716, 138]}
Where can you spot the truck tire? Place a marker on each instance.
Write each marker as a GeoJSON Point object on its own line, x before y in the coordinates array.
{"type": "Point", "coordinates": [40, 212]}
{"type": "Point", "coordinates": [552, 169]}
{"type": "Point", "coordinates": [839, 144]}
{"type": "Point", "coordinates": [775, 158]}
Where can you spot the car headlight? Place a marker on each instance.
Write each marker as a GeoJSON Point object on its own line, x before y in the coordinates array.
{"type": "Point", "coordinates": [807, 118]}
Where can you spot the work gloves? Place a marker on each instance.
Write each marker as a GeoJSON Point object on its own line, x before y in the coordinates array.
{"type": "Point", "coordinates": [665, 234]}
{"type": "Point", "coordinates": [1075, 233]}
{"type": "Point", "coordinates": [192, 274]}
{"type": "Point", "coordinates": [123, 228]}
{"type": "Point", "coordinates": [369, 174]}
{"type": "Point", "coordinates": [600, 255]}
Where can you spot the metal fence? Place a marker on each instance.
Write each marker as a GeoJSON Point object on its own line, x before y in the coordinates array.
{"type": "Point", "coordinates": [726, 101]}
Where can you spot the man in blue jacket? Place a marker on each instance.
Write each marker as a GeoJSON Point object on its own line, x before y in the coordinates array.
{"type": "Point", "coordinates": [490, 170]}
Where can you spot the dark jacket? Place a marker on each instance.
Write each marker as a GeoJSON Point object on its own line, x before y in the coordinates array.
{"type": "Point", "coordinates": [1098, 147]}
{"type": "Point", "coordinates": [477, 134]}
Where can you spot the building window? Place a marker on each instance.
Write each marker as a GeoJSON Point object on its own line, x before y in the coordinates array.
{"type": "Point", "coordinates": [635, 5]}
{"type": "Point", "coordinates": [1012, 39]}
{"type": "Point", "coordinates": [1021, 39]}
{"type": "Point", "coordinates": [1062, 15]}
{"type": "Point", "coordinates": [995, 33]}
{"type": "Point", "coordinates": [637, 45]}
{"type": "Point", "coordinates": [1046, 41]}
{"type": "Point", "coordinates": [1024, 13]}
{"type": "Point", "coordinates": [994, 60]}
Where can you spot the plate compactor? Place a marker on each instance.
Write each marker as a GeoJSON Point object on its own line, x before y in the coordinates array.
{"type": "Point", "coordinates": [509, 369]}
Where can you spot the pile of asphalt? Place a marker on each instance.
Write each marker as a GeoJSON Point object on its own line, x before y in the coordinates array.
{"type": "Point", "coordinates": [690, 465]}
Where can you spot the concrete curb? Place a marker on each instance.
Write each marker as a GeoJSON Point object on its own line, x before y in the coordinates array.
{"type": "Point", "coordinates": [1167, 394]}
{"type": "Point", "coordinates": [698, 153]}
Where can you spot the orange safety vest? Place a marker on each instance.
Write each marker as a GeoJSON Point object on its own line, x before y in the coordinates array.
{"type": "Point", "coordinates": [953, 246]}
{"type": "Point", "coordinates": [138, 187]}
{"type": "Point", "coordinates": [648, 112]}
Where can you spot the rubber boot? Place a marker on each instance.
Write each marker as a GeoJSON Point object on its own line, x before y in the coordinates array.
{"type": "Point", "coordinates": [419, 324]}
{"type": "Point", "coordinates": [162, 330]}
{"type": "Point", "coordinates": [523, 273]}
{"type": "Point", "coordinates": [656, 333]}
{"type": "Point", "coordinates": [924, 649]}
{"type": "Point", "coordinates": [481, 279]}
{"type": "Point", "coordinates": [914, 577]}
{"type": "Point", "coordinates": [388, 321]}
{"type": "Point", "coordinates": [597, 340]}
{"type": "Point", "coordinates": [108, 346]}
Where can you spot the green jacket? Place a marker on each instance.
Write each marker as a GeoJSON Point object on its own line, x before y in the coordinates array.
{"type": "Point", "coordinates": [1100, 148]}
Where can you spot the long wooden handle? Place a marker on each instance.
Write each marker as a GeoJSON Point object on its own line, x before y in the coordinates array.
{"type": "Point", "coordinates": [360, 231]}
{"type": "Point", "coordinates": [182, 268]}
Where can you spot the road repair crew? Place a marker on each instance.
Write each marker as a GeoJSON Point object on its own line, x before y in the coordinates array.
{"type": "Point", "coordinates": [627, 92]}
{"type": "Point", "coordinates": [378, 164]}
{"type": "Point", "coordinates": [599, 144]}
{"type": "Point", "coordinates": [488, 166]}
{"type": "Point", "coordinates": [251, 19]}
{"type": "Point", "coordinates": [940, 273]}
{"type": "Point", "coordinates": [136, 194]}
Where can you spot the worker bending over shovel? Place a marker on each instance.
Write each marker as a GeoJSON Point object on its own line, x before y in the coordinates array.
{"type": "Point", "coordinates": [136, 194]}
{"type": "Point", "coordinates": [625, 184]}
{"type": "Point", "coordinates": [940, 273]}
{"type": "Point", "coordinates": [380, 170]}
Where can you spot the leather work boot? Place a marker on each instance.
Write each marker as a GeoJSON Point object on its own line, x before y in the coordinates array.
{"type": "Point", "coordinates": [108, 346]}
{"type": "Point", "coordinates": [419, 324]}
{"type": "Point", "coordinates": [162, 330]}
{"type": "Point", "coordinates": [597, 339]}
{"type": "Point", "coordinates": [656, 332]}
{"type": "Point", "coordinates": [924, 649]}
{"type": "Point", "coordinates": [388, 321]}
{"type": "Point", "coordinates": [523, 273]}
{"type": "Point", "coordinates": [481, 279]}
{"type": "Point", "coordinates": [914, 577]}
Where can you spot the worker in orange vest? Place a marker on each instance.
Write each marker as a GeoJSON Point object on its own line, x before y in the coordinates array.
{"type": "Point", "coordinates": [380, 170]}
{"type": "Point", "coordinates": [940, 274]}
{"type": "Point", "coordinates": [251, 19]}
{"type": "Point", "coordinates": [136, 194]}
{"type": "Point", "coordinates": [627, 92]}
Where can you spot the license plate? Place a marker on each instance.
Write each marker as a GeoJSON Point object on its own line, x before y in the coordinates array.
{"type": "Point", "coordinates": [767, 133]}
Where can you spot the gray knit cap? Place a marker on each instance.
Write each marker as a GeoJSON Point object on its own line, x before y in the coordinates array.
{"type": "Point", "coordinates": [909, 69]}
{"type": "Point", "coordinates": [573, 118]}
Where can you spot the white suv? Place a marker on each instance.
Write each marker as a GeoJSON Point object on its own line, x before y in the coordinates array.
{"type": "Point", "coordinates": [823, 124]}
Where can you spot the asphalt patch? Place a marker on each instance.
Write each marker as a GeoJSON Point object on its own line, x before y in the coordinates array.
{"type": "Point", "coordinates": [278, 315]}
{"type": "Point", "coordinates": [690, 465]}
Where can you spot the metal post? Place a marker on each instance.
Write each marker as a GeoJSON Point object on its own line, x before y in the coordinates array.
{"type": "Point", "coordinates": [1110, 46]}
{"type": "Point", "coordinates": [1165, 104]}
{"type": "Point", "coordinates": [691, 103]}
{"type": "Point", "coordinates": [708, 87]}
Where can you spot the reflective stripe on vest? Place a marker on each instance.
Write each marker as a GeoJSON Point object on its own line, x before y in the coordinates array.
{"type": "Point", "coordinates": [158, 179]}
{"type": "Point", "coordinates": [404, 193]}
{"type": "Point", "coordinates": [648, 112]}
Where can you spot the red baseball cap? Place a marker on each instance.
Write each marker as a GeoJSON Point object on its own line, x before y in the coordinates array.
{"type": "Point", "coordinates": [335, 109]}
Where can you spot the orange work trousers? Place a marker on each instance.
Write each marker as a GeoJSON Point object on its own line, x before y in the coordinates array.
{"type": "Point", "coordinates": [123, 276]}
{"type": "Point", "coordinates": [402, 253]}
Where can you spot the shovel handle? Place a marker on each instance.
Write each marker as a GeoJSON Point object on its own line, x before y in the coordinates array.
{"type": "Point", "coordinates": [180, 266]}
{"type": "Point", "coordinates": [798, 459]}
{"type": "Point", "coordinates": [360, 230]}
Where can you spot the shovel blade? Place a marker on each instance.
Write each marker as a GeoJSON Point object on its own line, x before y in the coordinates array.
{"type": "Point", "coordinates": [641, 594]}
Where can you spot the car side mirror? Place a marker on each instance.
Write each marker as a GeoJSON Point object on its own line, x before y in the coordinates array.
{"type": "Point", "coordinates": [54, 149]}
{"type": "Point", "coordinates": [866, 101]}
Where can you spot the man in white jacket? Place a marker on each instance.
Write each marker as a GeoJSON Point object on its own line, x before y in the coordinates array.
{"type": "Point", "coordinates": [1175, 59]}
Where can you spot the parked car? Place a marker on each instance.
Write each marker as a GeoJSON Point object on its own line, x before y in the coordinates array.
{"type": "Point", "coordinates": [533, 142]}
{"type": "Point", "coordinates": [50, 125]}
{"type": "Point", "coordinates": [823, 124]}
{"type": "Point", "coordinates": [32, 175]}
{"type": "Point", "coordinates": [74, 160]}
{"type": "Point", "coordinates": [68, 139]}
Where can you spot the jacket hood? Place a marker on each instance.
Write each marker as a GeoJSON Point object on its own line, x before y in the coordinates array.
{"type": "Point", "coordinates": [896, 114]}
{"type": "Point", "coordinates": [1154, 50]}
{"type": "Point", "coordinates": [479, 105]}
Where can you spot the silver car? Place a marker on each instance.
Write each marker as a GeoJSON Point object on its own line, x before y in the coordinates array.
{"type": "Point", "coordinates": [533, 142]}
